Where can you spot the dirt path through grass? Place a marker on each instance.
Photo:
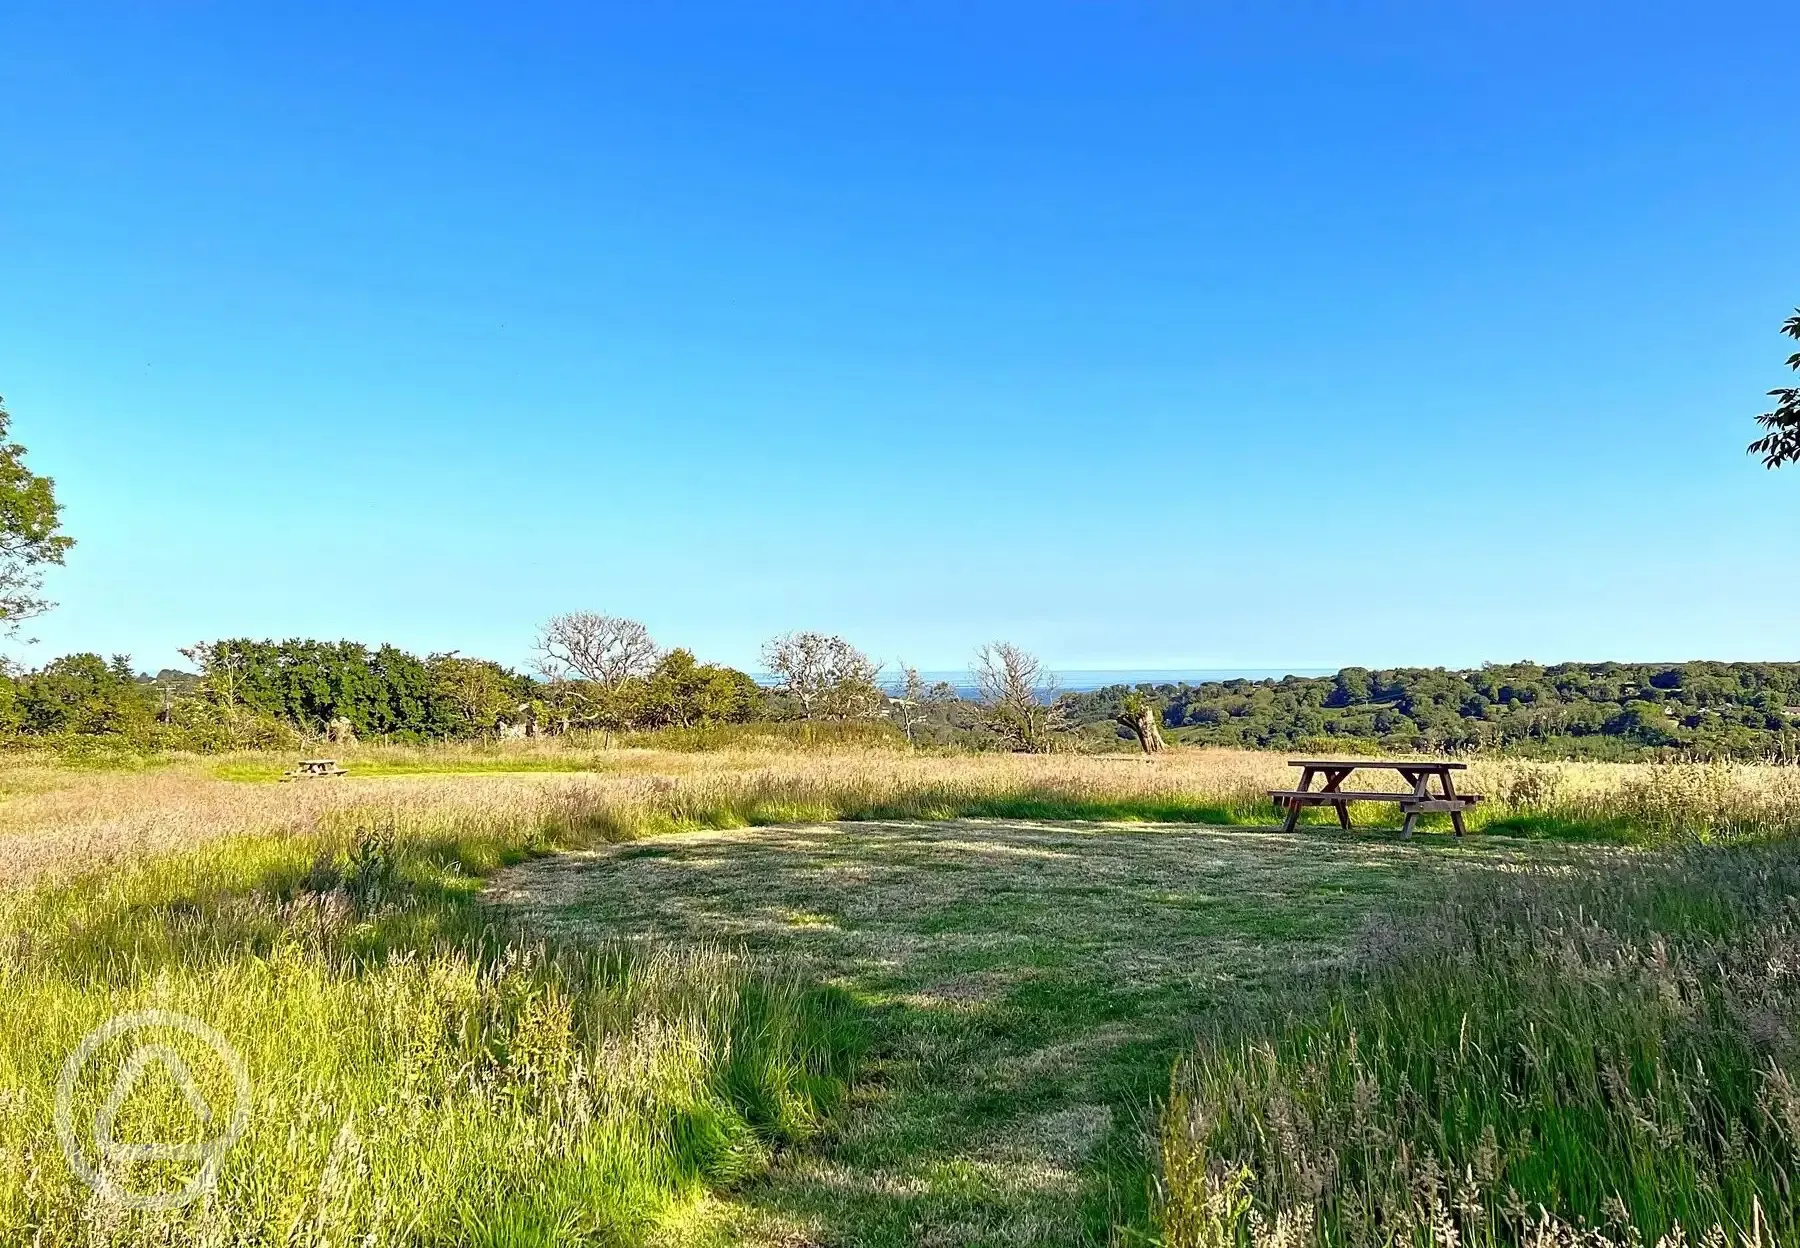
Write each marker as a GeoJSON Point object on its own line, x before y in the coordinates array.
{"type": "Point", "coordinates": [1028, 987]}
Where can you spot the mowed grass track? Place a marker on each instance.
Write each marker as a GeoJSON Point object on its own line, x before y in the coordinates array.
{"type": "Point", "coordinates": [1028, 988]}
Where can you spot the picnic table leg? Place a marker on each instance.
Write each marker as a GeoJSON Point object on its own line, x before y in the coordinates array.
{"type": "Point", "coordinates": [1456, 815]}
{"type": "Point", "coordinates": [1334, 780]}
{"type": "Point", "coordinates": [1293, 815]}
{"type": "Point", "coordinates": [1421, 782]}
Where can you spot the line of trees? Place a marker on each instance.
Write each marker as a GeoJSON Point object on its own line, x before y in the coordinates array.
{"type": "Point", "coordinates": [603, 673]}
{"type": "Point", "coordinates": [590, 673]}
{"type": "Point", "coordinates": [1594, 710]}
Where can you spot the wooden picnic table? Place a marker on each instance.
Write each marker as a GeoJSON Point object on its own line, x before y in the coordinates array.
{"type": "Point", "coordinates": [311, 768]}
{"type": "Point", "coordinates": [1413, 802]}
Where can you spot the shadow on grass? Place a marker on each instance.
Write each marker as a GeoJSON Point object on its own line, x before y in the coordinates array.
{"type": "Point", "coordinates": [1026, 986]}
{"type": "Point", "coordinates": [266, 929]}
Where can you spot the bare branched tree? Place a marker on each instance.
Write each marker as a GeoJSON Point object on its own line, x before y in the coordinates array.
{"type": "Point", "coordinates": [606, 650]}
{"type": "Point", "coordinates": [592, 664]}
{"type": "Point", "coordinates": [1019, 697]}
{"type": "Point", "coordinates": [219, 667]}
{"type": "Point", "coordinates": [916, 701]}
{"type": "Point", "coordinates": [827, 677]}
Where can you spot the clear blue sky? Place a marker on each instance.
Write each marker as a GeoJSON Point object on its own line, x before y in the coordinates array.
{"type": "Point", "coordinates": [1090, 326]}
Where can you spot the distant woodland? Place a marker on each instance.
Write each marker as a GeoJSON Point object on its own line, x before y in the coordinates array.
{"type": "Point", "coordinates": [608, 676]}
{"type": "Point", "coordinates": [1568, 710]}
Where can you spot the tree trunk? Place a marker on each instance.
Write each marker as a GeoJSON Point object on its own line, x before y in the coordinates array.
{"type": "Point", "coordinates": [1149, 735]}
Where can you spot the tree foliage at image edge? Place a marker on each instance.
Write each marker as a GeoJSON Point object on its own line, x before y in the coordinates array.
{"type": "Point", "coordinates": [1781, 444]}
{"type": "Point", "coordinates": [31, 534]}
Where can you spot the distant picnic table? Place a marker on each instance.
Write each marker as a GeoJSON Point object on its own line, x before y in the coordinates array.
{"type": "Point", "coordinates": [313, 768]}
{"type": "Point", "coordinates": [1413, 802]}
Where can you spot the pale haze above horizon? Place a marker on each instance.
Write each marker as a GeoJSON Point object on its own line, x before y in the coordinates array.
{"type": "Point", "coordinates": [1145, 336]}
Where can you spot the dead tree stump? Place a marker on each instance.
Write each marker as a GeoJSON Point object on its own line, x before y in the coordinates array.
{"type": "Point", "coordinates": [1149, 733]}
{"type": "Point", "coordinates": [1139, 715]}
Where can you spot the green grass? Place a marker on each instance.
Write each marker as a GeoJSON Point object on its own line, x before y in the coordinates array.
{"type": "Point", "coordinates": [265, 770]}
{"type": "Point", "coordinates": [771, 735]}
{"type": "Point", "coordinates": [1027, 988]}
{"type": "Point", "coordinates": [749, 809]}
{"type": "Point", "coordinates": [783, 801]}
{"type": "Point", "coordinates": [572, 753]}
{"type": "Point", "coordinates": [1614, 1049]}
{"type": "Point", "coordinates": [420, 1074]}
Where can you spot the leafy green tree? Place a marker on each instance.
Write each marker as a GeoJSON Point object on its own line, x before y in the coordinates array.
{"type": "Point", "coordinates": [82, 693]}
{"type": "Point", "coordinates": [1350, 688]}
{"type": "Point", "coordinates": [470, 696]}
{"type": "Point", "coordinates": [1644, 721]}
{"type": "Point", "coordinates": [1587, 710]}
{"type": "Point", "coordinates": [387, 692]}
{"type": "Point", "coordinates": [1781, 444]}
{"type": "Point", "coordinates": [684, 692]}
{"type": "Point", "coordinates": [31, 536]}
{"type": "Point", "coordinates": [11, 712]}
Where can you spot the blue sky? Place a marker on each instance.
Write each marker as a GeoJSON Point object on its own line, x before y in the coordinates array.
{"type": "Point", "coordinates": [1144, 335]}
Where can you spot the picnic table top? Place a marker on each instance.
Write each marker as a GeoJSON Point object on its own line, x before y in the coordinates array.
{"type": "Point", "coordinates": [1383, 763]}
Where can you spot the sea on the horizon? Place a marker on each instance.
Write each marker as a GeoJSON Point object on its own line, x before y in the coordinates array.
{"type": "Point", "coordinates": [1081, 681]}
{"type": "Point", "coordinates": [1084, 680]}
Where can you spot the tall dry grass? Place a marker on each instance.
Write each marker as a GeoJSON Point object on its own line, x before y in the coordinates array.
{"type": "Point", "coordinates": [418, 1075]}
{"type": "Point", "coordinates": [1593, 1059]}
{"type": "Point", "coordinates": [56, 821]}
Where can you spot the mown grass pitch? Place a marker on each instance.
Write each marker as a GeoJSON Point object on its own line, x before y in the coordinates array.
{"type": "Point", "coordinates": [1028, 986]}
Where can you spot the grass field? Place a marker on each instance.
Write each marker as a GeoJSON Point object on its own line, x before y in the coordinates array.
{"type": "Point", "coordinates": [1028, 987]}
{"type": "Point", "coordinates": [1599, 1056]}
{"type": "Point", "coordinates": [55, 820]}
{"type": "Point", "coordinates": [768, 1030]}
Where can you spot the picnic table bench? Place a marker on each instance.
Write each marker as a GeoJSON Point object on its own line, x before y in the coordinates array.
{"type": "Point", "coordinates": [310, 768]}
{"type": "Point", "coordinates": [1413, 802]}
